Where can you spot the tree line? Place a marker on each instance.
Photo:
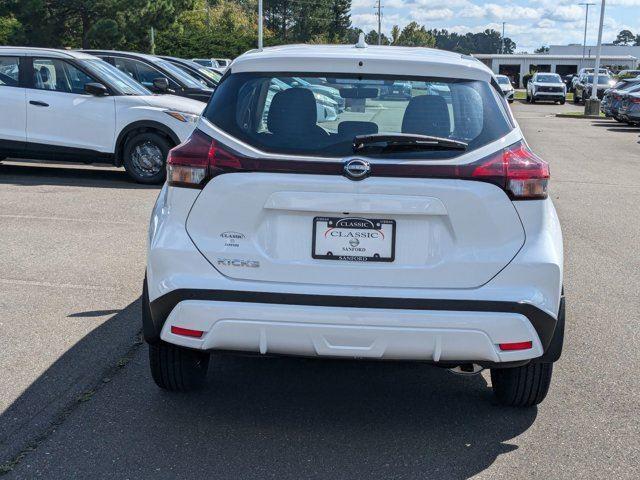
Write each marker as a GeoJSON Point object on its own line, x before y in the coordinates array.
{"type": "Point", "coordinates": [195, 28]}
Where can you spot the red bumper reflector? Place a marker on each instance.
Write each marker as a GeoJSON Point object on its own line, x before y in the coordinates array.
{"type": "Point", "coordinates": [516, 346]}
{"type": "Point", "coordinates": [187, 332]}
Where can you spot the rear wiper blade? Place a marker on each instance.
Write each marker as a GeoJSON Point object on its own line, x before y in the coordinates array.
{"type": "Point", "coordinates": [406, 141]}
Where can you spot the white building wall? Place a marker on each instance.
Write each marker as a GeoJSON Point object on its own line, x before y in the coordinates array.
{"type": "Point", "coordinates": [632, 50]}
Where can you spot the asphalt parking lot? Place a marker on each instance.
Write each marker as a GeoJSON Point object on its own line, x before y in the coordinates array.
{"type": "Point", "coordinates": [77, 400]}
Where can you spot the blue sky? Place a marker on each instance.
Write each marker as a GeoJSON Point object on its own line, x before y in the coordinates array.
{"type": "Point", "coordinates": [529, 24]}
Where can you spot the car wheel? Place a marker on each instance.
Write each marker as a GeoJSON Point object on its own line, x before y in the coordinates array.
{"type": "Point", "coordinates": [562, 102]}
{"type": "Point", "coordinates": [523, 386]}
{"type": "Point", "coordinates": [618, 119]}
{"type": "Point", "coordinates": [533, 99]}
{"type": "Point", "coordinates": [576, 98]}
{"type": "Point", "coordinates": [528, 98]}
{"type": "Point", "coordinates": [145, 155]}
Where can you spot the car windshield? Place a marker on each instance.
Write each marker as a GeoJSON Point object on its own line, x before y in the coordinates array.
{"type": "Point", "coordinates": [602, 79]}
{"type": "Point", "coordinates": [203, 61]}
{"type": "Point", "coordinates": [289, 114]}
{"type": "Point", "coordinates": [503, 81]}
{"type": "Point", "coordinates": [184, 78]}
{"type": "Point", "coordinates": [117, 79]}
{"type": "Point", "coordinates": [548, 79]}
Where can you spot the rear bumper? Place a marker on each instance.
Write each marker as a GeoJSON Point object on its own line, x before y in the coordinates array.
{"type": "Point", "coordinates": [351, 327]}
{"type": "Point", "coordinates": [520, 303]}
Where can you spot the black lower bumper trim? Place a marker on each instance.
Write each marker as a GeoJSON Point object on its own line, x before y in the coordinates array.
{"type": "Point", "coordinates": [542, 322]}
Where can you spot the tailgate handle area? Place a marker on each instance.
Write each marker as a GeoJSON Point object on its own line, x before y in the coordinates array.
{"type": "Point", "coordinates": [355, 203]}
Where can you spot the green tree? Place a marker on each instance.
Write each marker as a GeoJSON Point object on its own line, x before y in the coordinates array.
{"type": "Point", "coordinates": [225, 30]}
{"type": "Point", "coordinates": [542, 49]}
{"type": "Point", "coordinates": [83, 23]}
{"type": "Point", "coordinates": [340, 20]}
{"type": "Point", "coordinates": [105, 33]}
{"type": "Point", "coordinates": [414, 35]}
{"type": "Point", "coordinates": [372, 38]}
{"type": "Point", "coordinates": [625, 37]}
{"type": "Point", "coordinates": [395, 34]}
{"type": "Point", "coordinates": [10, 31]}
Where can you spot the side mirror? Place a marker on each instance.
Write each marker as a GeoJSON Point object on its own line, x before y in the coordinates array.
{"type": "Point", "coordinates": [161, 84]}
{"type": "Point", "coordinates": [96, 89]}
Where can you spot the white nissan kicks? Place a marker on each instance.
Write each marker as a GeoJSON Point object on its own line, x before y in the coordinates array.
{"type": "Point", "coordinates": [70, 106]}
{"type": "Point", "coordinates": [416, 230]}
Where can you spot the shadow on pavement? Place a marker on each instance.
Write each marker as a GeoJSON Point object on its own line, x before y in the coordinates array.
{"type": "Point", "coordinates": [37, 173]}
{"type": "Point", "coordinates": [77, 373]}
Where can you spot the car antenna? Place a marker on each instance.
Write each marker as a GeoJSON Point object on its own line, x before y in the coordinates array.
{"type": "Point", "coordinates": [361, 42]}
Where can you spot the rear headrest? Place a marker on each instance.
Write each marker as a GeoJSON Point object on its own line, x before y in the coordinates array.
{"type": "Point", "coordinates": [44, 74]}
{"type": "Point", "coordinates": [292, 110]}
{"type": "Point", "coordinates": [352, 128]}
{"type": "Point", "coordinates": [427, 115]}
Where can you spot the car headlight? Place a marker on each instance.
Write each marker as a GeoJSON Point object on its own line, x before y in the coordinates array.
{"type": "Point", "coordinates": [183, 116]}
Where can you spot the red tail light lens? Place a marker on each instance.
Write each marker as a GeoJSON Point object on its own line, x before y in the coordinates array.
{"type": "Point", "coordinates": [509, 347]}
{"type": "Point", "coordinates": [186, 332]}
{"type": "Point", "coordinates": [516, 169]}
{"type": "Point", "coordinates": [188, 163]}
{"type": "Point", "coordinates": [634, 99]}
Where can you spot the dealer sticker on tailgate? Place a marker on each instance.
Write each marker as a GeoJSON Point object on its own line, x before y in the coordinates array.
{"type": "Point", "coordinates": [353, 239]}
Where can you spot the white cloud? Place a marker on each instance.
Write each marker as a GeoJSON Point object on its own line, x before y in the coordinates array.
{"type": "Point", "coordinates": [530, 24]}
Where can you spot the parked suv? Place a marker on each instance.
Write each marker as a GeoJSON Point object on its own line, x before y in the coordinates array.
{"type": "Point", "coordinates": [66, 105]}
{"type": "Point", "coordinates": [156, 74]}
{"type": "Point", "coordinates": [420, 232]}
{"type": "Point", "coordinates": [584, 86]}
{"type": "Point", "coordinates": [546, 86]}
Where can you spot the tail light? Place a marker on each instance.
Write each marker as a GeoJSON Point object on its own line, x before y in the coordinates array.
{"type": "Point", "coordinates": [192, 163]}
{"type": "Point", "coordinates": [515, 169]}
{"type": "Point", "coordinates": [634, 99]}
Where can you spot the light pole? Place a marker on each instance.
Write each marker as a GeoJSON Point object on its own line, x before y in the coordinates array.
{"type": "Point", "coordinates": [594, 89]}
{"type": "Point", "coordinates": [260, 24]}
{"type": "Point", "coordinates": [584, 42]}
{"type": "Point", "coordinates": [379, 14]}
{"type": "Point", "coordinates": [502, 40]}
{"type": "Point", "coordinates": [592, 106]}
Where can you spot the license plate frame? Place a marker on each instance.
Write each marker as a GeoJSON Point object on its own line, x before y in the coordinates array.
{"type": "Point", "coordinates": [356, 224]}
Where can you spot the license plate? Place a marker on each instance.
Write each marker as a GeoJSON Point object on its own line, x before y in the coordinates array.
{"type": "Point", "coordinates": [354, 239]}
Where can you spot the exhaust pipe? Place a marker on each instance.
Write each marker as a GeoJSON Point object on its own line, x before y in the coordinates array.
{"type": "Point", "coordinates": [467, 369]}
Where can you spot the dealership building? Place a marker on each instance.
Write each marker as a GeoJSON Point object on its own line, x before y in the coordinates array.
{"type": "Point", "coordinates": [561, 59]}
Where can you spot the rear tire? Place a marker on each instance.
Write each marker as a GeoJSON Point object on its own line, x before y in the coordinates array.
{"type": "Point", "coordinates": [177, 369]}
{"type": "Point", "coordinates": [576, 98]}
{"type": "Point", "coordinates": [145, 157]}
{"type": "Point", "coordinates": [522, 386]}
{"type": "Point", "coordinates": [173, 368]}
{"type": "Point", "coordinates": [563, 101]}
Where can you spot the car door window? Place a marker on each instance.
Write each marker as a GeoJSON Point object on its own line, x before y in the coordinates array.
{"type": "Point", "coordinates": [141, 72]}
{"type": "Point", "coordinates": [9, 72]}
{"type": "Point", "coordinates": [59, 76]}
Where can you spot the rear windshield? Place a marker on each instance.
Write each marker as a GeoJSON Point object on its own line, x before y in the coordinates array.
{"type": "Point", "coordinates": [503, 80]}
{"type": "Point", "coordinates": [319, 115]}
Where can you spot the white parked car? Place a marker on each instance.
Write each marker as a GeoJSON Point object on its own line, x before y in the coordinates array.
{"type": "Point", "coordinates": [548, 87]}
{"type": "Point", "coordinates": [420, 232]}
{"type": "Point", "coordinates": [223, 62]}
{"type": "Point", "coordinates": [70, 106]}
{"type": "Point", "coordinates": [506, 87]}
